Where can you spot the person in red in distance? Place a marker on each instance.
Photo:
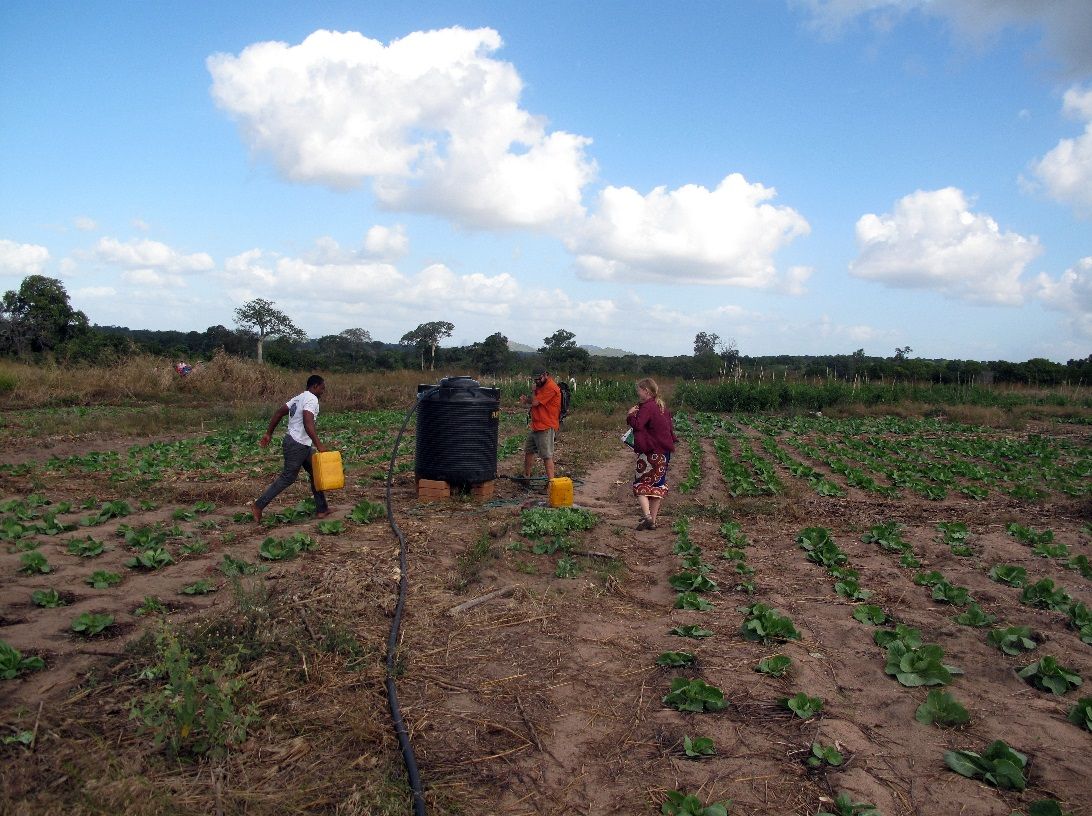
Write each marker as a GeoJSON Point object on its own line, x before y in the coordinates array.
{"type": "Point", "coordinates": [545, 404]}
{"type": "Point", "coordinates": [299, 443]}
{"type": "Point", "coordinates": [653, 441]}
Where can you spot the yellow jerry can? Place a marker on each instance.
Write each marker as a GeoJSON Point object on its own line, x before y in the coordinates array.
{"type": "Point", "coordinates": [561, 492]}
{"type": "Point", "coordinates": [326, 467]}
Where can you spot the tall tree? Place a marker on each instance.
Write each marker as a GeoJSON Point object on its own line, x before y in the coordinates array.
{"type": "Point", "coordinates": [38, 317]}
{"type": "Point", "coordinates": [560, 349]}
{"type": "Point", "coordinates": [428, 336]}
{"type": "Point", "coordinates": [265, 320]}
{"type": "Point", "coordinates": [705, 343]}
{"type": "Point", "coordinates": [492, 355]}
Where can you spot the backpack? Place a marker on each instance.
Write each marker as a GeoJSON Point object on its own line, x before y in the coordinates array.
{"type": "Point", "coordinates": [566, 397]}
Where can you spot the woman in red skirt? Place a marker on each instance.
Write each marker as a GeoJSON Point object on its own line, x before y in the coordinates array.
{"type": "Point", "coordinates": [653, 442]}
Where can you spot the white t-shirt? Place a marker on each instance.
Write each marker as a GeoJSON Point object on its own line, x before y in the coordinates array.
{"type": "Point", "coordinates": [296, 406]}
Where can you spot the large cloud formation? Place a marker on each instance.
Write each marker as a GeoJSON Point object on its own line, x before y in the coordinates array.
{"type": "Point", "coordinates": [431, 118]}
{"type": "Point", "coordinates": [727, 235]}
{"type": "Point", "coordinates": [434, 122]}
{"type": "Point", "coordinates": [934, 241]}
{"type": "Point", "coordinates": [1066, 171]}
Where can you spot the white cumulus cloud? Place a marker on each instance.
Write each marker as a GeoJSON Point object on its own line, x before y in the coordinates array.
{"type": "Point", "coordinates": [22, 259]}
{"type": "Point", "coordinates": [934, 241]}
{"type": "Point", "coordinates": [692, 234]}
{"type": "Point", "coordinates": [432, 119]}
{"type": "Point", "coordinates": [151, 255]}
{"type": "Point", "coordinates": [1066, 171]}
{"type": "Point", "coordinates": [386, 242]}
{"type": "Point", "coordinates": [1071, 293]}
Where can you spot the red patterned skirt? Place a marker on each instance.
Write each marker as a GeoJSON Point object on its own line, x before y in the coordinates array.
{"type": "Point", "coordinates": [650, 474]}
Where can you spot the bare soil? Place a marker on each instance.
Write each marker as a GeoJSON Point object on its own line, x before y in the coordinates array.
{"type": "Point", "coordinates": [547, 699]}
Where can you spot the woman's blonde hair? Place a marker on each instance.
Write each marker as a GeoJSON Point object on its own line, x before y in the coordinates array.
{"type": "Point", "coordinates": [650, 386]}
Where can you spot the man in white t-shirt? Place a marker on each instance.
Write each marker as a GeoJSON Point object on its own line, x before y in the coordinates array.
{"type": "Point", "coordinates": [299, 443]}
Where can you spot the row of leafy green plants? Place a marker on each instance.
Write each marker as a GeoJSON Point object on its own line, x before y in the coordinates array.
{"type": "Point", "coordinates": [761, 624]}
{"type": "Point", "coordinates": [930, 458]}
{"type": "Point", "coordinates": [914, 663]}
{"type": "Point", "coordinates": [752, 397]}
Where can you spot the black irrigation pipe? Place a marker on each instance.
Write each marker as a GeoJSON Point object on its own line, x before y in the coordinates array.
{"type": "Point", "coordinates": [408, 757]}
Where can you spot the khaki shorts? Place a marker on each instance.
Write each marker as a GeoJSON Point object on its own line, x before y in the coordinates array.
{"type": "Point", "coordinates": [540, 442]}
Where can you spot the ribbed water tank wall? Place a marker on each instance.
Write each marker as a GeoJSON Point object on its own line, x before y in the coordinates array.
{"type": "Point", "coordinates": [457, 424]}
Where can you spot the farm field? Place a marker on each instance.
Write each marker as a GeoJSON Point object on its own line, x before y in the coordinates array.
{"type": "Point", "coordinates": [241, 669]}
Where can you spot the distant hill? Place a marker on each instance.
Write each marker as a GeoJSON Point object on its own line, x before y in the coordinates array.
{"type": "Point", "coordinates": [598, 351]}
{"type": "Point", "coordinates": [594, 351]}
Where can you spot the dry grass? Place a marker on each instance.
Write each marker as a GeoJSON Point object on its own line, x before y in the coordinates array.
{"type": "Point", "coordinates": [224, 380]}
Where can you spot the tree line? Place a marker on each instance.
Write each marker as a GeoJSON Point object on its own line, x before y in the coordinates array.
{"type": "Point", "coordinates": [38, 323]}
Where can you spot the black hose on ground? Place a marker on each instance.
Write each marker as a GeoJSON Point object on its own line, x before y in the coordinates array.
{"type": "Point", "coordinates": [408, 757]}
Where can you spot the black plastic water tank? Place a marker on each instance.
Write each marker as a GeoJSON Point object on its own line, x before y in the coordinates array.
{"type": "Point", "coordinates": [457, 425]}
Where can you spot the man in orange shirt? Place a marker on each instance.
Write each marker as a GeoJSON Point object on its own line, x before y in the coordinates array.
{"type": "Point", "coordinates": [545, 404]}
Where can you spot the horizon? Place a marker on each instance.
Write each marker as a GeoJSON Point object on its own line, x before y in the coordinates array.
{"type": "Point", "coordinates": [787, 174]}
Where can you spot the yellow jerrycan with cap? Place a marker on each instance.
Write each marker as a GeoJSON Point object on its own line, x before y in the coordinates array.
{"type": "Point", "coordinates": [327, 470]}
{"type": "Point", "coordinates": [561, 492]}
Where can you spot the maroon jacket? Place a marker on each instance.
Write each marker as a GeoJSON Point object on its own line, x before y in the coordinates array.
{"type": "Point", "coordinates": [653, 430]}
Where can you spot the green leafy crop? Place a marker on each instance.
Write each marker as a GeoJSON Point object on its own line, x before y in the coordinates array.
{"type": "Point", "coordinates": [870, 614]}
{"type": "Point", "coordinates": [691, 631]}
{"type": "Point", "coordinates": [102, 579]}
{"type": "Point", "coordinates": [34, 563]}
{"type": "Point", "coordinates": [1009, 574]}
{"type": "Point", "coordinates": [907, 635]}
{"type": "Point", "coordinates": [845, 806]}
{"type": "Point", "coordinates": [47, 598]}
{"type": "Point", "coordinates": [698, 747]}
{"type": "Point", "coordinates": [887, 535]}
{"type": "Point", "coordinates": [675, 659]}
{"type": "Point", "coordinates": [951, 594]}
{"type": "Point", "coordinates": [366, 512]}
{"type": "Point", "coordinates": [692, 601]}
{"type": "Point", "coordinates": [1029, 536]}
{"type": "Point", "coordinates": [1012, 640]}
{"type": "Point", "coordinates": [685, 804]}
{"type": "Point", "coordinates": [824, 755]}
{"type": "Point", "coordinates": [692, 582]}
{"type": "Point", "coordinates": [1044, 595]}
{"type": "Point", "coordinates": [974, 616]}
{"type": "Point", "coordinates": [775, 665]}
{"type": "Point", "coordinates": [941, 708]}
{"type": "Point", "coordinates": [766, 625]}
{"type": "Point", "coordinates": [12, 662]}
{"type": "Point", "coordinates": [331, 527]}
{"type": "Point", "coordinates": [86, 548]}
{"type": "Point", "coordinates": [150, 559]}
{"type": "Point", "coordinates": [999, 765]}
{"type": "Point", "coordinates": [90, 623]}
{"type": "Point", "coordinates": [202, 587]}
{"type": "Point", "coordinates": [802, 705]}
{"type": "Point", "coordinates": [1045, 674]}
{"type": "Point", "coordinates": [539, 522]}
{"type": "Point", "coordinates": [918, 666]}
{"type": "Point", "coordinates": [1080, 618]}
{"type": "Point", "coordinates": [694, 695]}
{"type": "Point", "coordinates": [1081, 714]}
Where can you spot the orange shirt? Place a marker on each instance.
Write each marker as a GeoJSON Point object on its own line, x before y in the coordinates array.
{"type": "Point", "coordinates": [547, 414]}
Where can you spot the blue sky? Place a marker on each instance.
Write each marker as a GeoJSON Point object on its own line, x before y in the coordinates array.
{"type": "Point", "coordinates": [802, 176]}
